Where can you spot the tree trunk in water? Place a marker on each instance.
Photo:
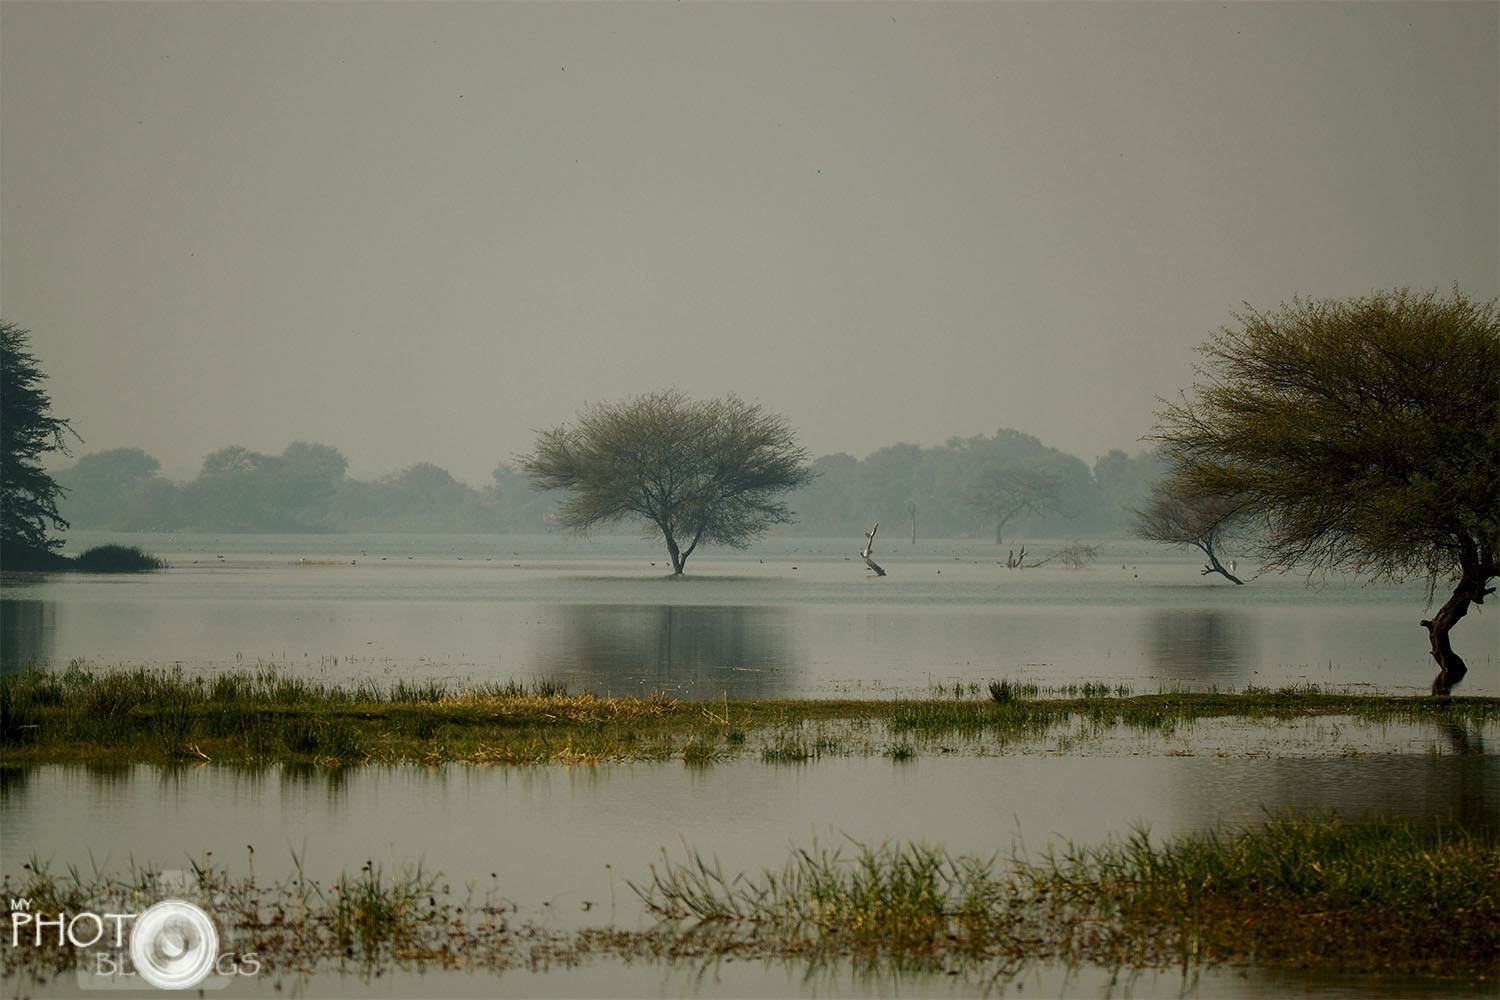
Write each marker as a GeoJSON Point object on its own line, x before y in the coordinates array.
{"type": "Point", "coordinates": [1451, 667]}
{"type": "Point", "coordinates": [1476, 568]}
{"type": "Point", "coordinates": [677, 557]}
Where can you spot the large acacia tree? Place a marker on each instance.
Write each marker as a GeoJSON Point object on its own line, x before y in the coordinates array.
{"type": "Point", "coordinates": [28, 431]}
{"type": "Point", "coordinates": [709, 472]}
{"type": "Point", "coordinates": [1365, 435]}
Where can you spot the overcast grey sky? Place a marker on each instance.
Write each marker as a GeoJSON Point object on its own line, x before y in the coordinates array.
{"type": "Point", "coordinates": [421, 231]}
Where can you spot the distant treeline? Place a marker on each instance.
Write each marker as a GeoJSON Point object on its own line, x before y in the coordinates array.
{"type": "Point", "coordinates": [306, 489]}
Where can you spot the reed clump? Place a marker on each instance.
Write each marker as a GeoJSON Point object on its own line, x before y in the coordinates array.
{"type": "Point", "coordinates": [1310, 892]}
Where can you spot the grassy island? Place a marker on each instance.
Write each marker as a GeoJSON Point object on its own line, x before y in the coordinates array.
{"type": "Point", "coordinates": [99, 559]}
{"type": "Point", "coordinates": [268, 716]}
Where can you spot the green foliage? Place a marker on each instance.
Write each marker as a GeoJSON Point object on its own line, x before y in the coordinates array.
{"type": "Point", "coordinates": [1364, 434]}
{"type": "Point", "coordinates": [28, 431]}
{"type": "Point", "coordinates": [710, 472]}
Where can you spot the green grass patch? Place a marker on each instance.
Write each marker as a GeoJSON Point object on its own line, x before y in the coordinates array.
{"type": "Point", "coordinates": [1307, 892]}
{"type": "Point", "coordinates": [261, 716]}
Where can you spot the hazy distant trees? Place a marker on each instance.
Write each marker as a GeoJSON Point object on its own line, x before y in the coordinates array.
{"type": "Point", "coordinates": [710, 472]}
{"type": "Point", "coordinates": [1364, 435]}
{"type": "Point", "coordinates": [306, 487]}
{"type": "Point", "coordinates": [421, 497]}
{"type": "Point", "coordinates": [242, 490]}
{"type": "Point", "coordinates": [28, 431]}
{"type": "Point", "coordinates": [101, 485]}
{"type": "Point", "coordinates": [523, 506]}
{"type": "Point", "coordinates": [1002, 492]}
{"type": "Point", "coordinates": [1123, 483]}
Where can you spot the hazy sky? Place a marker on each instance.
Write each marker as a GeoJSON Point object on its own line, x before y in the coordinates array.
{"type": "Point", "coordinates": [421, 231]}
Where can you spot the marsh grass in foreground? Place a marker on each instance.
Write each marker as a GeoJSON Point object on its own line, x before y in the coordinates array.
{"type": "Point", "coordinates": [1310, 892]}
{"type": "Point", "coordinates": [1372, 898]}
{"type": "Point", "coordinates": [267, 715]}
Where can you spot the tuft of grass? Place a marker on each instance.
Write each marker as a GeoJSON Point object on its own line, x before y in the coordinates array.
{"type": "Point", "coordinates": [1312, 892]}
{"type": "Point", "coordinates": [902, 751]}
{"type": "Point", "coordinates": [787, 748]}
{"type": "Point", "coordinates": [370, 914]}
{"type": "Point", "coordinates": [700, 752]}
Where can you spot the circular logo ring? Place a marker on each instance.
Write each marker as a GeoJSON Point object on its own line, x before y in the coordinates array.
{"type": "Point", "coordinates": [174, 945]}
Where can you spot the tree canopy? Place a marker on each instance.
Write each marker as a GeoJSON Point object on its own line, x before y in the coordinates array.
{"type": "Point", "coordinates": [1364, 434]}
{"type": "Point", "coordinates": [28, 495]}
{"type": "Point", "coordinates": [709, 472]}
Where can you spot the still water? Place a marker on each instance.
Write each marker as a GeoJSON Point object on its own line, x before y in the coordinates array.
{"type": "Point", "coordinates": [789, 617]}
{"type": "Point", "coordinates": [560, 843]}
{"type": "Point", "coordinates": [786, 618]}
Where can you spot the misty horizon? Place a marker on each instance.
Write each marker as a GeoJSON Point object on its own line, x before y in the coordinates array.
{"type": "Point", "coordinates": [57, 462]}
{"type": "Point", "coordinates": [424, 231]}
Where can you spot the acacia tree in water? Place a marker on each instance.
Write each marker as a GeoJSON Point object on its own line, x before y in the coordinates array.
{"type": "Point", "coordinates": [1365, 435]}
{"type": "Point", "coordinates": [706, 472]}
{"type": "Point", "coordinates": [1178, 517]}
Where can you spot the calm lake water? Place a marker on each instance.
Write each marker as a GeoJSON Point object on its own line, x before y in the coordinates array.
{"type": "Point", "coordinates": [789, 617]}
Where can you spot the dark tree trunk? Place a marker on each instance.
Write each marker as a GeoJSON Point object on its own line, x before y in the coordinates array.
{"type": "Point", "coordinates": [1451, 667]}
{"type": "Point", "coordinates": [679, 555]}
{"type": "Point", "coordinates": [1477, 568]}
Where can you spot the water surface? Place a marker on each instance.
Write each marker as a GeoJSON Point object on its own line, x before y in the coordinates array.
{"type": "Point", "coordinates": [789, 617]}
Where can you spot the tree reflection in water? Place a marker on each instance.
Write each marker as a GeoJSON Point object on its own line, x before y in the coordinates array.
{"type": "Point", "coordinates": [1202, 647]}
{"type": "Point", "coordinates": [692, 652]}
